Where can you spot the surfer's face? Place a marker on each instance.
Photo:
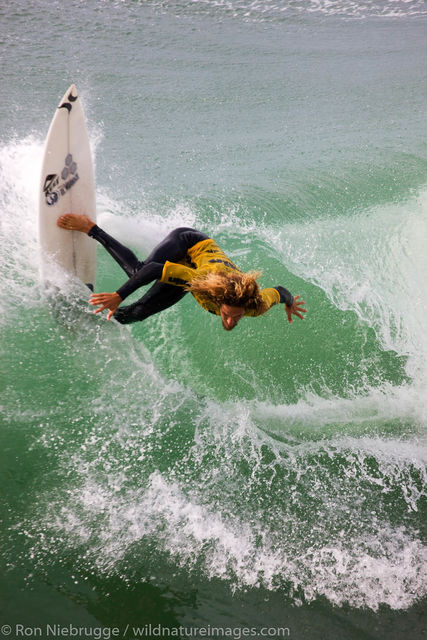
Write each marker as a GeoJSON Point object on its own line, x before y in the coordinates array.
{"type": "Point", "coordinates": [230, 315]}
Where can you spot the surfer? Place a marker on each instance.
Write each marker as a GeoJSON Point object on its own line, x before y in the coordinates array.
{"type": "Point", "coordinates": [185, 261]}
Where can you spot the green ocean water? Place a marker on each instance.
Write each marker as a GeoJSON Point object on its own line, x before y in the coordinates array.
{"type": "Point", "coordinates": [225, 484]}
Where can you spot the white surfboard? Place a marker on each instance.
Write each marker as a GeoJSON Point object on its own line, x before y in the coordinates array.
{"type": "Point", "coordinates": [67, 186]}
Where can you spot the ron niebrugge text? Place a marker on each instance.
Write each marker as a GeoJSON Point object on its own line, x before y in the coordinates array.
{"type": "Point", "coordinates": [61, 631]}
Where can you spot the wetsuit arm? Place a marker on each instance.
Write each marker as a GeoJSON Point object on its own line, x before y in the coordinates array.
{"type": "Point", "coordinates": [149, 272]}
{"type": "Point", "coordinates": [272, 296]}
{"type": "Point", "coordinates": [286, 296]}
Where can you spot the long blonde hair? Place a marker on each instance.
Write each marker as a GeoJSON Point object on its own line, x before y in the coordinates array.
{"type": "Point", "coordinates": [236, 289]}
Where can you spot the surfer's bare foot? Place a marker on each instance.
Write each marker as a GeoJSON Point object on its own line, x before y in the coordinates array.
{"type": "Point", "coordinates": [75, 222]}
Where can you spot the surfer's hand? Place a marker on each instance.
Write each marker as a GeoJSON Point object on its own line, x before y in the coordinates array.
{"type": "Point", "coordinates": [105, 301]}
{"type": "Point", "coordinates": [296, 309]}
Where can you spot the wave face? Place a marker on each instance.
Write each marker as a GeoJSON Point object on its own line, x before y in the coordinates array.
{"type": "Point", "coordinates": [174, 472]}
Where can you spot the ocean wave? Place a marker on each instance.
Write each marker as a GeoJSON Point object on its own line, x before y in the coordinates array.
{"type": "Point", "coordinates": [274, 10]}
{"type": "Point", "coordinates": [318, 497]}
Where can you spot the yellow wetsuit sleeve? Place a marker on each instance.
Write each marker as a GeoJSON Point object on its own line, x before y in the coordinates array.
{"type": "Point", "coordinates": [176, 274]}
{"type": "Point", "coordinates": [270, 297]}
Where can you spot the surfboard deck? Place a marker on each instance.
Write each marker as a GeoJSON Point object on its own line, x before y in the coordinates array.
{"type": "Point", "coordinates": [67, 186]}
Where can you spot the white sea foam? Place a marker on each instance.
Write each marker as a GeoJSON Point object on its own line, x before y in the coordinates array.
{"type": "Point", "coordinates": [272, 10]}
{"type": "Point", "coordinates": [20, 165]}
{"type": "Point", "coordinates": [367, 570]}
{"type": "Point", "coordinates": [208, 515]}
{"type": "Point", "coordinates": [374, 264]}
{"type": "Point", "coordinates": [376, 406]}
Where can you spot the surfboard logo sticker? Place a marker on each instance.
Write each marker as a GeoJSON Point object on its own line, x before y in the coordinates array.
{"type": "Point", "coordinates": [56, 185]}
{"type": "Point", "coordinates": [67, 105]}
